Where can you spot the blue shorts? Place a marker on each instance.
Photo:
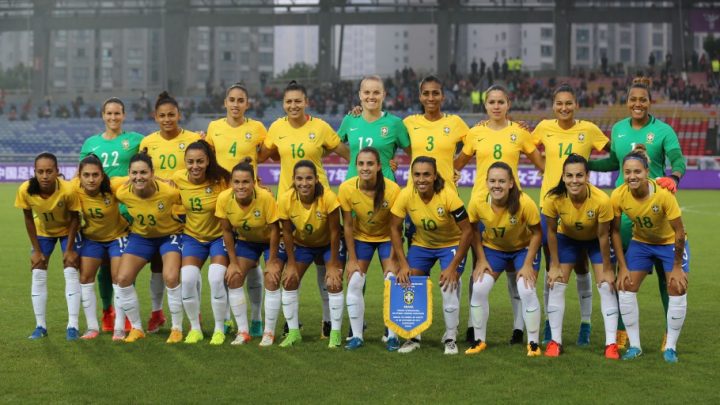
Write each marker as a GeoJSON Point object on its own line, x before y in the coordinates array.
{"type": "Point", "coordinates": [304, 254]}
{"type": "Point", "coordinates": [99, 250]}
{"type": "Point", "coordinates": [409, 230]}
{"type": "Point", "coordinates": [570, 250]}
{"type": "Point", "coordinates": [148, 247]}
{"type": "Point", "coordinates": [499, 260]}
{"type": "Point", "coordinates": [192, 247]}
{"type": "Point", "coordinates": [47, 244]}
{"type": "Point", "coordinates": [253, 250]}
{"type": "Point", "coordinates": [422, 258]}
{"type": "Point", "coordinates": [543, 225]}
{"type": "Point", "coordinates": [366, 250]}
{"type": "Point", "coordinates": [642, 256]}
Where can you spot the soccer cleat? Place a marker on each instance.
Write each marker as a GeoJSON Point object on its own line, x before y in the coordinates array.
{"type": "Point", "coordinates": [118, 335]}
{"type": "Point", "coordinates": [547, 333]}
{"type": "Point", "coordinates": [392, 344]}
{"type": "Point", "coordinates": [108, 319]}
{"type": "Point", "coordinates": [476, 347]}
{"type": "Point", "coordinates": [584, 334]}
{"type": "Point", "coordinates": [194, 336]}
{"type": "Point", "coordinates": [670, 356]}
{"type": "Point", "coordinates": [621, 338]}
{"type": "Point", "coordinates": [267, 339]}
{"type": "Point", "coordinates": [351, 335]}
{"type": "Point", "coordinates": [38, 333]}
{"type": "Point", "coordinates": [325, 330]}
{"type": "Point", "coordinates": [72, 334]}
{"type": "Point", "coordinates": [664, 343]}
{"type": "Point", "coordinates": [533, 350]}
{"type": "Point", "coordinates": [176, 336]}
{"type": "Point", "coordinates": [217, 339]}
{"type": "Point", "coordinates": [241, 338]}
{"type": "Point", "coordinates": [90, 335]}
{"type": "Point", "coordinates": [256, 328]}
{"type": "Point", "coordinates": [611, 352]}
{"type": "Point", "coordinates": [229, 326]}
{"type": "Point", "coordinates": [451, 346]}
{"type": "Point", "coordinates": [517, 337]}
{"type": "Point", "coordinates": [553, 349]}
{"type": "Point", "coordinates": [134, 336]}
{"type": "Point", "coordinates": [335, 339]}
{"type": "Point", "coordinates": [293, 337]}
{"type": "Point", "coordinates": [354, 343]}
{"type": "Point", "coordinates": [157, 319]}
{"type": "Point", "coordinates": [286, 329]}
{"type": "Point", "coordinates": [409, 346]}
{"type": "Point", "coordinates": [632, 353]}
{"type": "Point", "coordinates": [470, 335]}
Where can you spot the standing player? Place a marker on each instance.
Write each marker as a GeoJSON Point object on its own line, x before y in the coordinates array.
{"type": "Point", "coordinates": [366, 200]}
{"type": "Point", "coordinates": [662, 144]}
{"type": "Point", "coordinates": [578, 217]}
{"type": "Point", "coordinates": [310, 216]}
{"type": "Point", "coordinates": [50, 207]}
{"type": "Point", "coordinates": [443, 233]}
{"type": "Point", "coordinates": [658, 234]}
{"type": "Point", "coordinates": [114, 147]}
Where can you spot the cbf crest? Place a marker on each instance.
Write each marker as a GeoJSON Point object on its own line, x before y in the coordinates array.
{"type": "Point", "coordinates": [385, 204]}
{"type": "Point", "coordinates": [513, 138]}
{"type": "Point", "coordinates": [513, 220]}
{"type": "Point", "coordinates": [384, 131]}
{"type": "Point", "coordinates": [655, 208]}
{"type": "Point", "coordinates": [248, 136]}
{"type": "Point", "coordinates": [125, 144]}
{"type": "Point", "coordinates": [441, 211]}
{"type": "Point", "coordinates": [318, 214]}
{"type": "Point", "coordinates": [581, 137]}
{"type": "Point", "coordinates": [161, 206]}
{"type": "Point", "coordinates": [409, 297]}
{"type": "Point", "coordinates": [256, 213]}
{"type": "Point", "coordinates": [591, 214]}
{"type": "Point", "coordinates": [446, 130]}
{"type": "Point", "coordinates": [312, 136]}
{"type": "Point", "coordinates": [107, 201]}
{"type": "Point", "coordinates": [650, 137]}
{"type": "Point", "coordinates": [182, 146]}
{"type": "Point", "coordinates": [208, 190]}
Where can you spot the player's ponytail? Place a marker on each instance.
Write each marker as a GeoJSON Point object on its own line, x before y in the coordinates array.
{"type": "Point", "coordinates": [92, 159]}
{"type": "Point", "coordinates": [295, 86]}
{"type": "Point", "coordinates": [214, 173]}
{"type": "Point", "coordinates": [513, 200]}
{"type": "Point", "coordinates": [561, 188]}
{"type": "Point", "coordinates": [639, 152]}
{"type": "Point", "coordinates": [165, 98]}
{"type": "Point", "coordinates": [379, 179]}
{"type": "Point", "coordinates": [439, 182]}
{"type": "Point", "coordinates": [319, 189]}
{"type": "Point", "coordinates": [245, 165]}
{"type": "Point", "coordinates": [641, 82]}
{"type": "Point", "coordinates": [33, 183]}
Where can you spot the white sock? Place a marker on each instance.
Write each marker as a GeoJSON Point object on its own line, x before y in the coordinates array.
{"type": "Point", "coordinates": [38, 294]}
{"type": "Point", "coordinates": [391, 334]}
{"type": "Point", "coordinates": [470, 294]}
{"type": "Point", "coordinates": [131, 306]}
{"type": "Point", "coordinates": [119, 313]}
{"type": "Point", "coordinates": [218, 295]}
{"type": "Point", "coordinates": [546, 293]}
{"type": "Point", "coordinates": [254, 282]}
{"type": "Point", "coordinates": [631, 316]}
{"type": "Point", "coordinates": [272, 309]}
{"type": "Point", "coordinates": [89, 304]}
{"type": "Point", "coordinates": [451, 313]}
{"type": "Point", "coordinates": [480, 306]}
{"type": "Point", "coordinates": [72, 296]}
{"type": "Point", "coordinates": [290, 308]}
{"type": "Point", "coordinates": [199, 285]}
{"type": "Point", "coordinates": [356, 303]}
{"type": "Point", "coordinates": [337, 305]}
{"type": "Point", "coordinates": [518, 322]}
{"type": "Point", "coordinates": [157, 290]}
{"type": "Point", "coordinates": [609, 308]}
{"type": "Point", "coordinates": [190, 300]}
{"type": "Point", "coordinates": [584, 287]}
{"type": "Point", "coordinates": [556, 310]}
{"type": "Point", "coordinates": [175, 306]}
{"type": "Point", "coordinates": [531, 310]}
{"type": "Point", "coordinates": [236, 296]}
{"type": "Point", "coordinates": [677, 308]}
{"type": "Point", "coordinates": [322, 287]}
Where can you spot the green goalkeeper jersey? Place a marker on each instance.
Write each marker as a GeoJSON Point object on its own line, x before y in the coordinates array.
{"type": "Point", "coordinates": [115, 153]}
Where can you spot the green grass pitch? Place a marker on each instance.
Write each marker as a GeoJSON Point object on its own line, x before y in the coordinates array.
{"type": "Point", "coordinates": [53, 370]}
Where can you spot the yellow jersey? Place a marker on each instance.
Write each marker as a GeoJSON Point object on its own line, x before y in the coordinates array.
{"type": "Point", "coordinates": [251, 223]}
{"type": "Point", "coordinates": [579, 223]}
{"type": "Point", "coordinates": [311, 224]}
{"type": "Point", "coordinates": [651, 217]}
{"type": "Point", "coordinates": [490, 146]}
{"type": "Point", "coordinates": [102, 221]}
{"type": "Point", "coordinates": [437, 139]}
{"type": "Point", "coordinates": [559, 143]}
{"type": "Point", "coordinates": [168, 155]}
{"type": "Point", "coordinates": [199, 203]}
{"type": "Point", "coordinates": [52, 214]}
{"type": "Point", "coordinates": [308, 142]}
{"type": "Point", "coordinates": [434, 221]}
{"type": "Point", "coordinates": [153, 216]}
{"type": "Point", "coordinates": [232, 144]}
{"type": "Point", "coordinates": [505, 232]}
{"type": "Point", "coordinates": [368, 225]}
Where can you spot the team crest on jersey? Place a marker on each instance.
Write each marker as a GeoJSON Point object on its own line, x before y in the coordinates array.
{"type": "Point", "coordinates": [318, 214]}
{"type": "Point", "coordinates": [384, 131]}
{"type": "Point", "coordinates": [650, 137]}
{"type": "Point", "coordinates": [107, 202]}
{"type": "Point", "coordinates": [208, 190]}
{"type": "Point", "coordinates": [591, 214]}
{"type": "Point", "coordinates": [513, 138]}
{"type": "Point", "coordinates": [446, 130]}
{"type": "Point", "coordinates": [408, 297]}
{"type": "Point", "coordinates": [161, 206]}
{"type": "Point", "coordinates": [125, 144]}
{"type": "Point", "coordinates": [581, 137]}
{"type": "Point", "coordinates": [181, 146]}
{"type": "Point", "coordinates": [248, 136]}
{"type": "Point", "coordinates": [311, 136]}
{"type": "Point", "coordinates": [256, 213]}
{"type": "Point", "coordinates": [61, 204]}
{"type": "Point", "coordinates": [513, 220]}
{"type": "Point", "coordinates": [441, 211]}
{"type": "Point", "coordinates": [385, 204]}
{"type": "Point", "coordinates": [655, 208]}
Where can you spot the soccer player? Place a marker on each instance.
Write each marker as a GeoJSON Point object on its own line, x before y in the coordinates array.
{"type": "Point", "coordinates": [443, 233]}
{"type": "Point", "coordinates": [662, 144]}
{"type": "Point", "coordinates": [155, 229]}
{"type": "Point", "coordinates": [114, 147]}
{"type": "Point", "coordinates": [50, 207]}
{"type": "Point", "coordinates": [200, 184]}
{"type": "Point", "coordinates": [366, 200]}
{"type": "Point", "coordinates": [499, 140]}
{"type": "Point", "coordinates": [658, 234]}
{"type": "Point", "coordinates": [104, 234]}
{"type": "Point", "coordinates": [248, 215]}
{"type": "Point", "coordinates": [310, 215]}
{"type": "Point", "coordinates": [510, 224]}
{"type": "Point", "coordinates": [561, 137]}
{"type": "Point", "coordinates": [578, 217]}
{"type": "Point", "coordinates": [373, 127]}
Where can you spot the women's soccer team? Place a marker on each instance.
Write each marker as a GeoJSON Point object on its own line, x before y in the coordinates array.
{"type": "Point", "coordinates": [176, 199]}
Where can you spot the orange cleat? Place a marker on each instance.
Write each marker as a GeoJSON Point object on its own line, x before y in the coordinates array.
{"type": "Point", "coordinates": [108, 319]}
{"type": "Point", "coordinates": [553, 349]}
{"type": "Point", "coordinates": [611, 352]}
